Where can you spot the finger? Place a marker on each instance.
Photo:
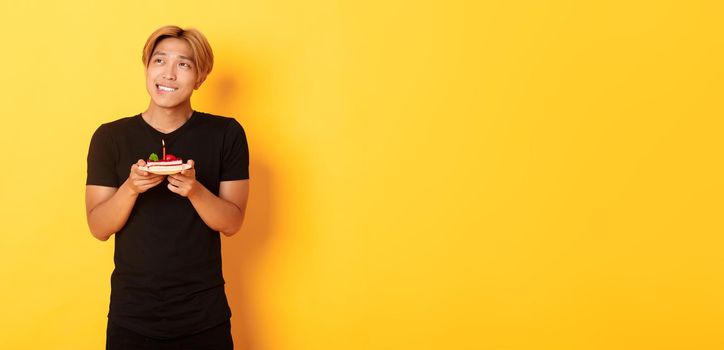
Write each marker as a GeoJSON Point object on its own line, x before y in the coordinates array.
{"type": "Point", "coordinates": [178, 176]}
{"type": "Point", "coordinates": [178, 184]}
{"type": "Point", "coordinates": [150, 183]}
{"type": "Point", "coordinates": [152, 178]}
{"type": "Point", "coordinates": [191, 163]}
{"type": "Point", "coordinates": [178, 190]}
{"type": "Point", "coordinates": [157, 178]}
{"type": "Point", "coordinates": [147, 175]}
{"type": "Point", "coordinates": [177, 179]}
{"type": "Point", "coordinates": [173, 188]}
{"type": "Point", "coordinates": [140, 162]}
{"type": "Point", "coordinates": [135, 169]}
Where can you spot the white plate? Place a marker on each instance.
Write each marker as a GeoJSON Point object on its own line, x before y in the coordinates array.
{"type": "Point", "coordinates": [167, 170]}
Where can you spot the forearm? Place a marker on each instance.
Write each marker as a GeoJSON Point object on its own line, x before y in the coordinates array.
{"type": "Point", "coordinates": [218, 213]}
{"type": "Point", "coordinates": [110, 216]}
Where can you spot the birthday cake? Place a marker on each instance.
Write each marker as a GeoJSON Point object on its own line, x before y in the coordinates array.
{"type": "Point", "coordinates": [168, 164]}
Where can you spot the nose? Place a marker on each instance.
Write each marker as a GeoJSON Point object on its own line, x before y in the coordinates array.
{"type": "Point", "coordinates": [169, 73]}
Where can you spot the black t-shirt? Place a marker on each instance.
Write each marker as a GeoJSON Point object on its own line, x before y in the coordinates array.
{"type": "Point", "coordinates": [167, 280]}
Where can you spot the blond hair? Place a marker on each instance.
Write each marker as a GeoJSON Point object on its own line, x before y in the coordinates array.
{"type": "Point", "coordinates": [203, 56]}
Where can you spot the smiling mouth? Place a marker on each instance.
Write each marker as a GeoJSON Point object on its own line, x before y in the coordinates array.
{"type": "Point", "coordinates": [165, 88]}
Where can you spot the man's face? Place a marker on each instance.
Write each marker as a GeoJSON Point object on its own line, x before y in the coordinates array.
{"type": "Point", "coordinates": [171, 75]}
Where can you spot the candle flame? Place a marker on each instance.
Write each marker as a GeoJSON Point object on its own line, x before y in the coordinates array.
{"type": "Point", "coordinates": [163, 143]}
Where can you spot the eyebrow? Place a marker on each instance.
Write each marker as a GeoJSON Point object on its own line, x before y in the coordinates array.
{"type": "Point", "coordinates": [161, 53]}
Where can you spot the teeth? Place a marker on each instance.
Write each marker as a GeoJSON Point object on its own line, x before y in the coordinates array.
{"type": "Point", "coordinates": [164, 88]}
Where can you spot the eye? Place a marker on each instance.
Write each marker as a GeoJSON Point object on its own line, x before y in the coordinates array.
{"type": "Point", "coordinates": [186, 65]}
{"type": "Point", "coordinates": [158, 60]}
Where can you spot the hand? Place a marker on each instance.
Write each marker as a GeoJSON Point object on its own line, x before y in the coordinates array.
{"type": "Point", "coordinates": [184, 183]}
{"type": "Point", "coordinates": [140, 181]}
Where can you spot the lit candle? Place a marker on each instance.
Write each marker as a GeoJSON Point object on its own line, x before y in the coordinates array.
{"type": "Point", "coordinates": [163, 144]}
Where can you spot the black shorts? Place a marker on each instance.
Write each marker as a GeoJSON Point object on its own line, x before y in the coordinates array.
{"type": "Point", "coordinates": [216, 338]}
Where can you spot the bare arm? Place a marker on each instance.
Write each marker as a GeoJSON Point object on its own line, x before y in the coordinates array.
{"type": "Point", "coordinates": [224, 213]}
{"type": "Point", "coordinates": [108, 208]}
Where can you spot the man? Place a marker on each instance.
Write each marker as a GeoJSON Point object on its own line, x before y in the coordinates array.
{"type": "Point", "coordinates": [167, 288]}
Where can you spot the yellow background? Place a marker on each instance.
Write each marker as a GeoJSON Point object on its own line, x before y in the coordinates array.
{"type": "Point", "coordinates": [425, 175]}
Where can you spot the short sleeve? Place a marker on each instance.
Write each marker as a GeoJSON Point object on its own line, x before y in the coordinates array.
{"type": "Point", "coordinates": [102, 157]}
{"type": "Point", "coordinates": [235, 153]}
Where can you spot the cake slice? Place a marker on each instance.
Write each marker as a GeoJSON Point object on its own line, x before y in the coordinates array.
{"type": "Point", "coordinates": [169, 165]}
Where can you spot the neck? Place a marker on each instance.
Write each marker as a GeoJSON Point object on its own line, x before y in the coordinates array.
{"type": "Point", "coordinates": [167, 119]}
